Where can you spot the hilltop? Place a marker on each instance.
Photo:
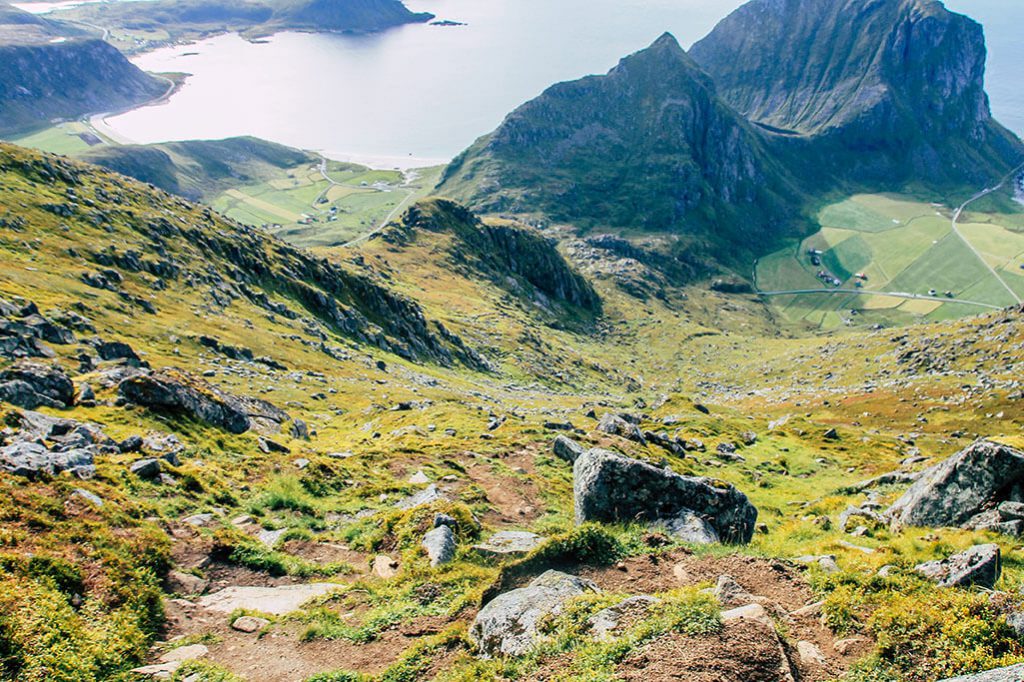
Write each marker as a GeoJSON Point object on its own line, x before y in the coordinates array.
{"type": "Point", "coordinates": [893, 91]}
{"type": "Point", "coordinates": [649, 146]}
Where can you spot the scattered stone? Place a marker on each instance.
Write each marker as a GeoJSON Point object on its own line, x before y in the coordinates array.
{"type": "Point", "coordinates": [810, 654]}
{"type": "Point", "coordinates": [728, 592]}
{"type": "Point", "coordinates": [440, 544]}
{"type": "Point", "coordinates": [198, 520]}
{"type": "Point", "coordinates": [568, 449]}
{"type": "Point", "coordinates": [28, 459]}
{"type": "Point", "coordinates": [609, 487]}
{"type": "Point", "coordinates": [270, 538]}
{"type": "Point", "coordinates": [826, 562]}
{"type": "Point", "coordinates": [508, 625]}
{"type": "Point", "coordinates": [845, 646]}
{"type": "Point", "coordinates": [811, 610]}
{"type": "Point", "coordinates": [185, 653]}
{"type": "Point", "coordinates": [831, 434]}
{"type": "Point", "coordinates": [249, 624]}
{"type": "Point", "coordinates": [179, 582]}
{"type": "Point", "coordinates": [384, 567]}
{"type": "Point", "coordinates": [148, 468]}
{"type": "Point", "coordinates": [509, 543]}
{"type": "Point", "coordinates": [276, 601]}
{"type": "Point", "coordinates": [980, 565]}
{"type": "Point", "coordinates": [428, 495]}
{"type": "Point", "coordinates": [605, 622]}
{"type": "Point", "coordinates": [268, 446]}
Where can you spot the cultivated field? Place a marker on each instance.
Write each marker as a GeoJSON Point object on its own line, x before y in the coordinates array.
{"type": "Point", "coordinates": [900, 246]}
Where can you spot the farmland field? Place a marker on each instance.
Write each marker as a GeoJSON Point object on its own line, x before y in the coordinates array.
{"type": "Point", "coordinates": [899, 245]}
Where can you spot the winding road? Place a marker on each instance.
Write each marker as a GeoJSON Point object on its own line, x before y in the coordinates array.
{"type": "Point", "coordinates": [956, 230]}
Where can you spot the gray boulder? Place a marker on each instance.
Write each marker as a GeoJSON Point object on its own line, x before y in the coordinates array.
{"type": "Point", "coordinates": [32, 384]}
{"type": "Point", "coordinates": [508, 624]}
{"type": "Point", "coordinates": [440, 545]}
{"type": "Point", "coordinates": [1013, 673]}
{"type": "Point", "coordinates": [428, 495]}
{"type": "Point", "coordinates": [509, 543]}
{"type": "Point", "coordinates": [979, 565]}
{"type": "Point", "coordinates": [29, 459]}
{"type": "Point", "coordinates": [954, 491]}
{"type": "Point", "coordinates": [689, 527]}
{"type": "Point", "coordinates": [176, 391]}
{"type": "Point", "coordinates": [605, 623]}
{"type": "Point", "coordinates": [147, 469]}
{"type": "Point", "coordinates": [567, 449]}
{"type": "Point", "coordinates": [615, 425]}
{"type": "Point", "coordinates": [609, 487]}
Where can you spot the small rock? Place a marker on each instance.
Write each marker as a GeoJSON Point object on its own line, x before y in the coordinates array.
{"type": "Point", "coordinates": [249, 624]}
{"type": "Point", "coordinates": [384, 567]}
{"type": "Point", "coordinates": [810, 654]}
{"type": "Point", "coordinates": [440, 545]}
{"type": "Point", "coordinates": [148, 469]}
{"type": "Point", "coordinates": [980, 565]}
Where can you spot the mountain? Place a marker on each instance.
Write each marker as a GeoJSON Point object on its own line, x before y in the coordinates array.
{"type": "Point", "coordinates": [360, 16]}
{"type": "Point", "coordinates": [21, 27]}
{"type": "Point", "coordinates": [649, 146]}
{"type": "Point", "coordinates": [43, 81]}
{"type": "Point", "coordinates": [191, 19]}
{"type": "Point", "coordinates": [198, 169]}
{"type": "Point", "coordinates": [887, 91]}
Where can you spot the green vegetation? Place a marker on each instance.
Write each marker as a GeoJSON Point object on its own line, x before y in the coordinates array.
{"type": "Point", "coordinates": [903, 246]}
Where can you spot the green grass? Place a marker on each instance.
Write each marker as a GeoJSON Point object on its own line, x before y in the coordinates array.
{"type": "Point", "coordinates": [902, 245]}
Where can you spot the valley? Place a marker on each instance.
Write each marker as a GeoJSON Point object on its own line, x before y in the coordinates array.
{"type": "Point", "coordinates": [705, 368]}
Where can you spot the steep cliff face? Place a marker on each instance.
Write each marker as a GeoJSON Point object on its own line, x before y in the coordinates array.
{"type": "Point", "coordinates": [41, 82]}
{"type": "Point", "coordinates": [649, 145]}
{"type": "Point", "coordinates": [505, 252]}
{"type": "Point", "coordinates": [898, 83]}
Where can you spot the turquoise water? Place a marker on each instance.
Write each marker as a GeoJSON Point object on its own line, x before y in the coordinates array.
{"type": "Point", "coordinates": [420, 94]}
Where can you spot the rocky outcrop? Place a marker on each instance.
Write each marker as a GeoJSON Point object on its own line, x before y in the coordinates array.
{"type": "Point", "coordinates": [501, 251]}
{"type": "Point", "coordinates": [979, 487]}
{"type": "Point", "coordinates": [609, 487]}
{"type": "Point", "coordinates": [39, 445]}
{"type": "Point", "coordinates": [883, 91]}
{"type": "Point", "coordinates": [1013, 673]}
{"type": "Point", "coordinates": [177, 392]}
{"type": "Point", "coordinates": [509, 624]}
{"type": "Point", "coordinates": [31, 384]}
{"type": "Point", "coordinates": [648, 146]}
{"type": "Point", "coordinates": [68, 79]}
{"type": "Point", "coordinates": [980, 565]}
{"type": "Point", "coordinates": [440, 545]}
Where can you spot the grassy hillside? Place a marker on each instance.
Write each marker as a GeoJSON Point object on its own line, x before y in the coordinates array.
{"type": "Point", "coordinates": [350, 346]}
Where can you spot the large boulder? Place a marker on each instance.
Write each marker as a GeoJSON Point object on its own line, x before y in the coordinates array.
{"type": "Point", "coordinates": [176, 391]}
{"type": "Point", "coordinates": [29, 459]}
{"type": "Point", "coordinates": [1013, 673]}
{"type": "Point", "coordinates": [509, 624]}
{"type": "Point", "coordinates": [962, 487]}
{"type": "Point", "coordinates": [609, 487]}
{"type": "Point", "coordinates": [32, 384]}
{"type": "Point", "coordinates": [979, 565]}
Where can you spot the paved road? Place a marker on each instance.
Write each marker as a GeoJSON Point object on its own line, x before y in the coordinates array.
{"type": "Point", "coordinates": [956, 230]}
{"type": "Point", "coordinates": [869, 292]}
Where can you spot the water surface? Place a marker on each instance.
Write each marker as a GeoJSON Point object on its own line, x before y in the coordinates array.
{"type": "Point", "coordinates": [419, 94]}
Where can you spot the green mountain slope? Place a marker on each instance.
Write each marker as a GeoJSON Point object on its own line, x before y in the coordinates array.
{"type": "Point", "coordinates": [890, 91]}
{"type": "Point", "coordinates": [200, 169]}
{"type": "Point", "coordinates": [43, 81]}
{"type": "Point", "coordinates": [648, 146]}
